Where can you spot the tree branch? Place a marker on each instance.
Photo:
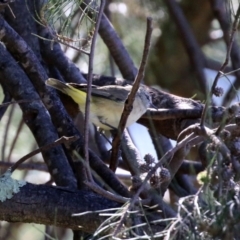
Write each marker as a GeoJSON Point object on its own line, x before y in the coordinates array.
{"type": "Point", "coordinates": [35, 115]}
{"type": "Point", "coordinates": [36, 198]}
{"type": "Point", "coordinates": [129, 102]}
{"type": "Point", "coordinates": [89, 91]}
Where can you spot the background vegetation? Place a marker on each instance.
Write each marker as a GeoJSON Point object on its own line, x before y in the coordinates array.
{"type": "Point", "coordinates": [188, 189]}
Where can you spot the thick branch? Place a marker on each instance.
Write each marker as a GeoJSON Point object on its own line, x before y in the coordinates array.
{"type": "Point", "coordinates": [59, 116]}
{"type": "Point", "coordinates": [55, 206]}
{"type": "Point", "coordinates": [117, 50]}
{"type": "Point", "coordinates": [35, 116]}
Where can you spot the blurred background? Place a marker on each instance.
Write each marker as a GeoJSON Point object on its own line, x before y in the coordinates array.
{"type": "Point", "coordinates": [171, 67]}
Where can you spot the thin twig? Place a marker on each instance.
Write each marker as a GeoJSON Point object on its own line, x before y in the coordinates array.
{"type": "Point", "coordinates": [176, 161]}
{"type": "Point", "coordinates": [129, 102]}
{"type": "Point", "coordinates": [44, 148]}
{"type": "Point", "coordinates": [4, 104]}
{"type": "Point", "coordinates": [39, 166]}
{"type": "Point", "coordinates": [58, 40]}
{"type": "Point", "coordinates": [229, 48]}
{"type": "Point", "coordinates": [6, 99]}
{"type": "Point", "coordinates": [89, 90]}
{"type": "Point", "coordinates": [222, 13]}
{"type": "Point", "coordinates": [166, 157]}
{"type": "Point", "coordinates": [107, 194]}
{"type": "Point", "coordinates": [220, 72]}
{"type": "Point", "coordinates": [10, 9]}
{"type": "Point", "coordinates": [20, 126]}
{"type": "Point", "coordinates": [6, 131]}
{"type": "Point", "coordinates": [114, 197]}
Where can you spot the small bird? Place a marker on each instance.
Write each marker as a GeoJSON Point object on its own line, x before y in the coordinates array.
{"type": "Point", "coordinates": [107, 102]}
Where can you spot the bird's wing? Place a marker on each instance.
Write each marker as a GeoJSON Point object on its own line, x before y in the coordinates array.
{"type": "Point", "coordinates": [81, 86]}
{"type": "Point", "coordinates": [115, 93]}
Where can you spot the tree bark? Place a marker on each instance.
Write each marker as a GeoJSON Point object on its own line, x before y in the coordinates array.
{"type": "Point", "coordinates": [54, 206]}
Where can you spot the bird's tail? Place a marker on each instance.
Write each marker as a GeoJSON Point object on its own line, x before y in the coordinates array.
{"type": "Point", "coordinates": [63, 87]}
{"type": "Point", "coordinates": [77, 95]}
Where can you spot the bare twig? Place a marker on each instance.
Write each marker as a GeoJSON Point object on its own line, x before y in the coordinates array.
{"type": "Point", "coordinates": [44, 148]}
{"type": "Point", "coordinates": [177, 160]}
{"type": "Point", "coordinates": [68, 70]}
{"type": "Point", "coordinates": [59, 40]}
{"type": "Point", "coordinates": [115, 46]}
{"type": "Point", "coordinates": [39, 166]}
{"type": "Point", "coordinates": [229, 48]}
{"type": "Point", "coordinates": [106, 194]}
{"type": "Point", "coordinates": [215, 65]}
{"type": "Point", "coordinates": [20, 126]}
{"type": "Point", "coordinates": [222, 13]}
{"type": "Point", "coordinates": [201, 133]}
{"type": "Point", "coordinates": [220, 72]}
{"type": "Point", "coordinates": [10, 9]}
{"type": "Point", "coordinates": [6, 99]}
{"type": "Point", "coordinates": [6, 131]}
{"type": "Point", "coordinates": [166, 157]}
{"type": "Point", "coordinates": [129, 102]}
{"type": "Point", "coordinates": [5, 104]}
{"type": "Point", "coordinates": [89, 89]}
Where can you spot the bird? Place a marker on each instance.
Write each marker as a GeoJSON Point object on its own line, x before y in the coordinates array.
{"type": "Point", "coordinates": [107, 102]}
